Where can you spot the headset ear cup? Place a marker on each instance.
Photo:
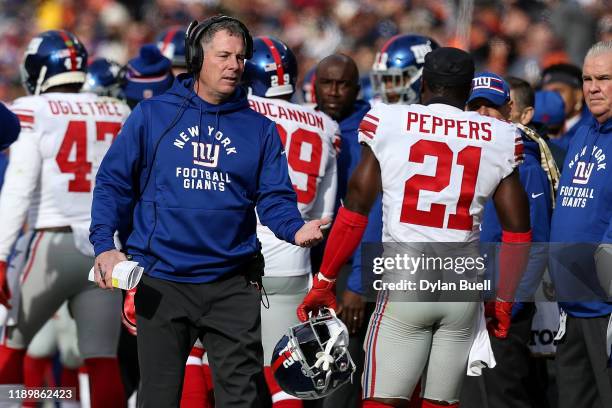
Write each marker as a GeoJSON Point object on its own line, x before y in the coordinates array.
{"type": "Point", "coordinates": [248, 39]}
{"type": "Point", "coordinates": [189, 46]}
{"type": "Point", "coordinates": [198, 59]}
{"type": "Point", "coordinates": [122, 77]}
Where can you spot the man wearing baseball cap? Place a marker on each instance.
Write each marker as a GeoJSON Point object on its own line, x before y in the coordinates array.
{"type": "Point", "coordinates": [490, 96]}
{"type": "Point", "coordinates": [567, 80]}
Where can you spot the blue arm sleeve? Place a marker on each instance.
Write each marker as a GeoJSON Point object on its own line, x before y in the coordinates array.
{"type": "Point", "coordinates": [276, 200]}
{"type": "Point", "coordinates": [115, 187]}
{"type": "Point", "coordinates": [10, 127]}
{"type": "Point", "coordinates": [537, 188]}
{"type": "Point", "coordinates": [373, 234]}
{"type": "Point", "coordinates": [536, 185]}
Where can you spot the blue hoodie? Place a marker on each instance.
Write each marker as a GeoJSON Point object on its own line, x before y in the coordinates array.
{"type": "Point", "coordinates": [10, 127]}
{"type": "Point", "coordinates": [193, 193]}
{"type": "Point", "coordinates": [536, 185]}
{"type": "Point", "coordinates": [580, 220]}
{"type": "Point", "coordinates": [564, 141]}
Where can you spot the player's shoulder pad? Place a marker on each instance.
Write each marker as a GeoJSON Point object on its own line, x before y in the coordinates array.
{"type": "Point", "coordinates": [27, 109]}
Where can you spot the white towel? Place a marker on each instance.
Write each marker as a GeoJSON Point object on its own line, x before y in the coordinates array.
{"type": "Point", "coordinates": [481, 353]}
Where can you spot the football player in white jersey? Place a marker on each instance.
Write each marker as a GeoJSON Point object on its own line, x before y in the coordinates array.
{"type": "Point", "coordinates": [436, 166]}
{"type": "Point", "coordinates": [64, 135]}
{"type": "Point", "coordinates": [308, 137]}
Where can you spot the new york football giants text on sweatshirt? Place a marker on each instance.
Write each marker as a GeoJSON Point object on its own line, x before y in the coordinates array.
{"type": "Point", "coordinates": [190, 174]}
{"type": "Point", "coordinates": [580, 220]}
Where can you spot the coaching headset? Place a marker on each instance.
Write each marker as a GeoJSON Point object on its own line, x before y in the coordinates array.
{"type": "Point", "coordinates": [194, 54]}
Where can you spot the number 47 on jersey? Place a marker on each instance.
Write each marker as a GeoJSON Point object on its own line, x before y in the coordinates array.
{"type": "Point", "coordinates": [75, 138]}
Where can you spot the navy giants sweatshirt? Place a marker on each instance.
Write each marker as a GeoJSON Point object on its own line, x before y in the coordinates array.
{"type": "Point", "coordinates": [190, 174]}
{"type": "Point", "coordinates": [581, 219]}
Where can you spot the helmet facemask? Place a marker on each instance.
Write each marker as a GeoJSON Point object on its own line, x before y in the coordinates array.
{"type": "Point", "coordinates": [320, 346]}
{"type": "Point", "coordinates": [397, 85]}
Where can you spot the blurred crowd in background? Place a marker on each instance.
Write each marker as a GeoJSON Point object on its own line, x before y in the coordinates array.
{"type": "Point", "coordinates": [508, 37]}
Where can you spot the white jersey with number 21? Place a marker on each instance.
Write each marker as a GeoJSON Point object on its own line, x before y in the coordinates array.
{"type": "Point", "coordinates": [439, 165]}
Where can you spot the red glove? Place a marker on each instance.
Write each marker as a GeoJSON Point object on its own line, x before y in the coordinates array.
{"type": "Point", "coordinates": [322, 294]}
{"type": "Point", "coordinates": [5, 292]}
{"type": "Point", "coordinates": [128, 317]}
{"type": "Point", "coordinates": [499, 315]}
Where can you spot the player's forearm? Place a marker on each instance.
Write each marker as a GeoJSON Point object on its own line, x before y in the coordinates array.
{"type": "Point", "coordinates": [344, 239]}
{"type": "Point", "coordinates": [513, 259]}
{"type": "Point", "coordinates": [365, 184]}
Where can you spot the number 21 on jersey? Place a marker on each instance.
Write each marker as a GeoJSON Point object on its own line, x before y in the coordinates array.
{"type": "Point", "coordinates": [468, 158]}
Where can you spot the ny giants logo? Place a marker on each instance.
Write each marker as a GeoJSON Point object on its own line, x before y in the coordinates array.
{"type": "Point", "coordinates": [382, 58]}
{"type": "Point", "coordinates": [205, 154]}
{"type": "Point", "coordinates": [485, 82]}
{"type": "Point", "coordinates": [420, 51]}
{"type": "Point", "coordinates": [584, 169]}
{"type": "Point", "coordinates": [583, 172]}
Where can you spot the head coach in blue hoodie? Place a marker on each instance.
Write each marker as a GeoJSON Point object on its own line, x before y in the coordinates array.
{"type": "Point", "coordinates": [191, 166]}
{"type": "Point", "coordinates": [580, 222]}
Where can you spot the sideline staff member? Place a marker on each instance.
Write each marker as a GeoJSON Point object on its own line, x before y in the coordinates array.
{"type": "Point", "coordinates": [580, 220]}
{"type": "Point", "coordinates": [191, 180]}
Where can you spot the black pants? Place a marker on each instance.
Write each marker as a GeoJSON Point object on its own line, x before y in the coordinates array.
{"type": "Point", "coordinates": [225, 314]}
{"type": "Point", "coordinates": [510, 382]}
{"type": "Point", "coordinates": [584, 379]}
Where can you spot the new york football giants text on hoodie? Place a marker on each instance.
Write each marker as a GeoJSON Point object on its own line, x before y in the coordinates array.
{"type": "Point", "coordinates": [581, 219]}
{"type": "Point", "coordinates": [191, 173]}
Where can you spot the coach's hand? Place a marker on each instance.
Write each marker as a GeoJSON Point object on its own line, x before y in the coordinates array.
{"type": "Point", "coordinates": [322, 294]}
{"type": "Point", "coordinates": [5, 292]}
{"type": "Point", "coordinates": [310, 234]}
{"type": "Point", "coordinates": [499, 316]}
{"type": "Point", "coordinates": [103, 268]}
{"type": "Point", "coordinates": [352, 310]}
